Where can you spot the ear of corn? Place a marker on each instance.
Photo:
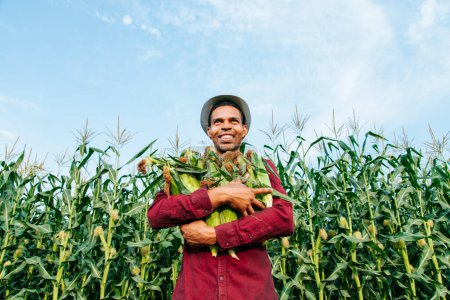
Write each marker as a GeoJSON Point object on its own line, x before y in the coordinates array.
{"type": "Point", "coordinates": [227, 214]}
{"type": "Point", "coordinates": [262, 178]}
{"type": "Point", "coordinates": [189, 182]}
{"type": "Point", "coordinates": [213, 220]}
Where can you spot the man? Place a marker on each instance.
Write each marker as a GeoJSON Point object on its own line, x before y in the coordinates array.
{"type": "Point", "coordinates": [226, 120]}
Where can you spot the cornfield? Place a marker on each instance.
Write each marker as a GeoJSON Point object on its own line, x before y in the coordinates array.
{"type": "Point", "coordinates": [372, 222]}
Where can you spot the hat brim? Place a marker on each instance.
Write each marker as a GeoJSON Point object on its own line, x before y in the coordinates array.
{"type": "Point", "coordinates": [204, 116]}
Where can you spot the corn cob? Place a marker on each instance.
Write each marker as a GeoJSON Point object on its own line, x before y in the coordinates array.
{"type": "Point", "coordinates": [262, 178]}
{"type": "Point", "coordinates": [190, 182]}
{"type": "Point", "coordinates": [213, 219]}
{"type": "Point", "coordinates": [227, 214]}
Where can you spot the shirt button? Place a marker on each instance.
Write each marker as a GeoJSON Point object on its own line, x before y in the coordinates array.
{"type": "Point", "coordinates": [251, 236]}
{"type": "Point", "coordinates": [228, 244]}
{"type": "Point", "coordinates": [221, 278]}
{"type": "Point", "coordinates": [206, 210]}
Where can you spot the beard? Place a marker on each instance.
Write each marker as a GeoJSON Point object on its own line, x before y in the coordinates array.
{"type": "Point", "coordinates": [222, 148]}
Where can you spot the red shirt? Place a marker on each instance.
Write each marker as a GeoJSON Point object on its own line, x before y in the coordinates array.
{"type": "Point", "coordinates": [206, 277]}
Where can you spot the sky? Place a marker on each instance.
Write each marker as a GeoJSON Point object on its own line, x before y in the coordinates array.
{"type": "Point", "coordinates": [154, 63]}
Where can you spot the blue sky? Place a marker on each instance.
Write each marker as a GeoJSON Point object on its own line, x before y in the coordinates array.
{"type": "Point", "coordinates": [154, 64]}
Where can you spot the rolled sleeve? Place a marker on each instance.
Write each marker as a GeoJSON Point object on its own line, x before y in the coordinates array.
{"type": "Point", "coordinates": [227, 236]}
{"type": "Point", "coordinates": [201, 203]}
{"type": "Point", "coordinates": [168, 211]}
{"type": "Point", "coordinates": [275, 221]}
{"type": "Point", "coordinates": [250, 229]}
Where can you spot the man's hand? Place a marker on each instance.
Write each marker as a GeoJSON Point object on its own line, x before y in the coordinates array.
{"type": "Point", "coordinates": [198, 234]}
{"type": "Point", "coordinates": [238, 196]}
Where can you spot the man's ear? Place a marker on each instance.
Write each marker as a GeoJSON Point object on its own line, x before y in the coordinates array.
{"type": "Point", "coordinates": [207, 132]}
{"type": "Point", "coordinates": [245, 130]}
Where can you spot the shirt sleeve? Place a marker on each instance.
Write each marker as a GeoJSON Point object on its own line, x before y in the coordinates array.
{"type": "Point", "coordinates": [275, 221]}
{"type": "Point", "coordinates": [168, 211]}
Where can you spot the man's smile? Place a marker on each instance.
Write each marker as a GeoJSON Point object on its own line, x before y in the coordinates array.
{"type": "Point", "coordinates": [226, 137]}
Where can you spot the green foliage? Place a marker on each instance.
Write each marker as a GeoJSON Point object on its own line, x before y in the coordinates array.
{"type": "Point", "coordinates": [370, 223]}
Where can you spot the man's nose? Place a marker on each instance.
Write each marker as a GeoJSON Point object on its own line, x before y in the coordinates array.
{"type": "Point", "coordinates": [226, 125]}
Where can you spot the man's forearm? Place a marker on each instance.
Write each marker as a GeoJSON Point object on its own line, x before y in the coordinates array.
{"type": "Point", "coordinates": [272, 222]}
{"type": "Point", "coordinates": [198, 234]}
{"type": "Point", "coordinates": [180, 209]}
{"type": "Point", "coordinates": [217, 198]}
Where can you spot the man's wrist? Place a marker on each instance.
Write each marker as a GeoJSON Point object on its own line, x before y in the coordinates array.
{"type": "Point", "coordinates": [217, 198]}
{"type": "Point", "coordinates": [213, 236]}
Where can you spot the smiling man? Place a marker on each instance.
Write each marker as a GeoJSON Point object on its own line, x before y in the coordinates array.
{"type": "Point", "coordinates": [226, 120]}
{"type": "Point", "coordinates": [226, 126]}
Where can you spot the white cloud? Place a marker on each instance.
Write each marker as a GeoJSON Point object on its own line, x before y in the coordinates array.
{"type": "Point", "coordinates": [105, 18]}
{"type": "Point", "coordinates": [287, 21]}
{"type": "Point", "coordinates": [329, 53]}
{"type": "Point", "coordinates": [353, 63]}
{"type": "Point", "coordinates": [432, 13]}
{"type": "Point", "coordinates": [426, 20]}
{"type": "Point", "coordinates": [8, 134]}
{"type": "Point", "coordinates": [151, 30]}
{"type": "Point", "coordinates": [428, 13]}
{"type": "Point", "coordinates": [8, 102]}
{"type": "Point", "coordinates": [127, 20]}
{"type": "Point", "coordinates": [214, 15]}
{"type": "Point", "coordinates": [352, 55]}
{"type": "Point", "coordinates": [150, 54]}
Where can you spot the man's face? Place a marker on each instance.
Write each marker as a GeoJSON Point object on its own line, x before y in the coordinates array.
{"type": "Point", "coordinates": [226, 129]}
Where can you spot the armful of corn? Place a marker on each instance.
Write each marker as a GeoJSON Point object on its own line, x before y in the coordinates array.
{"type": "Point", "coordinates": [187, 173]}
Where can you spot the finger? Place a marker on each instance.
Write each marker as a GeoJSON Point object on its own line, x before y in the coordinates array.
{"type": "Point", "coordinates": [258, 204]}
{"type": "Point", "coordinates": [257, 191]}
{"type": "Point", "coordinates": [250, 210]}
{"type": "Point", "coordinates": [244, 213]}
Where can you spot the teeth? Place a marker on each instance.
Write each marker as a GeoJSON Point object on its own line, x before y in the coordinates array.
{"type": "Point", "coordinates": [226, 136]}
